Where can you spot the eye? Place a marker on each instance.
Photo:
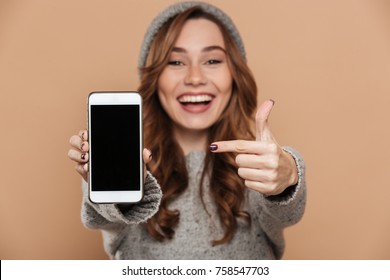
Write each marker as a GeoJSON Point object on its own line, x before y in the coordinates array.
{"type": "Point", "coordinates": [213, 61]}
{"type": "Point", "coordinates": [175, 62]}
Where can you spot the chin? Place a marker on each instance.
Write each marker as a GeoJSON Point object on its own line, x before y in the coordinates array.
{"type": "Point", "coordinates": [198, 126]}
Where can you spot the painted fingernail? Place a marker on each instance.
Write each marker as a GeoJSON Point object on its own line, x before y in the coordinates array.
{"type": "Point", "coordinates": [83, 156]}
{"type": "Point", "coordinates": [213, 147]}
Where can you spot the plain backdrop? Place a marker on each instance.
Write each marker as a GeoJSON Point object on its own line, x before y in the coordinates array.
{"type": "Point", "coordinates": [325, 63]}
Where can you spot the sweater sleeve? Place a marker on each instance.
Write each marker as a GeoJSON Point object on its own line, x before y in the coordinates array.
{"type": "Point", "coordinates": [278, 212]}
{"type": "Point", "coordinates": [109, 216]}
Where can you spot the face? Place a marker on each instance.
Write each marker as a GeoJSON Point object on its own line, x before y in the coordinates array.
{"type": "Point", "coordinates": [196, 85]}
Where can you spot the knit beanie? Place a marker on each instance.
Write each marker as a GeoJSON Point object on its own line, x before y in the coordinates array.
{"type": "Point", "coordinates": [178, 8]}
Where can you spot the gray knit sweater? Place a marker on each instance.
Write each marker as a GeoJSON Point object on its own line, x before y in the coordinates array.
{"type": "Point", "coordinates": [125, 236]}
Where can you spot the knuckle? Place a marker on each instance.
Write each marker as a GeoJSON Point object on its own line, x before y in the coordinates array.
{"type": "Point", "coordinates": [72, 139]}
{"type": "Point", "coordinates": [75, 141]}
{"type": "Point", "coordinates": [240, 146]}
{"type": "Point", "coordinates": [78, 168]}
{"type": "Point", "coordinates": [240, 172]}
{"type": "Point", "coordinates": [238, 159]}
{"type": "Point", "coordinates": [273, 148]}
{"type": "Point", "coordinates": [69, 153]}
{"type": "Point", "coordinates": [248, 184]}
{"type": "Point", "coordinates": [72, 154]}
{"type": "Point", "coordinates": [269, 189]}
{"type": "Point", "coordinates": [273, 163]}
{"type": "Point", "coordinates": [273, 186]}
{"type": "Point", "coordinates": [253, 185]}
{"type": "Point", "coordinates": [272, 176]}
{"type": "Point", "coordinates": [267, 192]}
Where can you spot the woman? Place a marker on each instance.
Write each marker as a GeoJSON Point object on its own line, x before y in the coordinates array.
{"type": "Point", "coordinates": [218, 186]}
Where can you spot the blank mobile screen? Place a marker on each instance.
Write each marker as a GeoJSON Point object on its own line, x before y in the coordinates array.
{"type": "Point", "coordinates": [115, 147]}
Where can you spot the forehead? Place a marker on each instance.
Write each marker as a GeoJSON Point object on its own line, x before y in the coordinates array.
{"type": "Point", "coordinates": [200, 32]}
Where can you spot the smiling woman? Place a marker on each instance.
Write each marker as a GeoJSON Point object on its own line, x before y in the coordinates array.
{"type": "Point", "coordinates": [196, 86]}
{"type": "Point", "coordinates": [218, 186]}
{"type": "Point", "coordinates": [326, 63]}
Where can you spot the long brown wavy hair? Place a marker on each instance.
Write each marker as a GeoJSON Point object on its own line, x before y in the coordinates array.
{"type": "Point", "coordinates": [236, 122]}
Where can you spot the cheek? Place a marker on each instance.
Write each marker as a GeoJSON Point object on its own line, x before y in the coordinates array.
{"type": "Point", "coordinates": [224, 81]}
{"type": "Point", "coordinates": [162, 85]}
{"type": "Point", "coordinates": [226, 99]}
{"type": "Point", "coordinates": [167, 99]}
{"type": "Point", "coordinates": [226, 89]}
{"type": "Point", "coordinates": [226, 95]}
{"type": "Point", "coordinates": [167, 82]}
{"type": "Point", "coordinates": [162, 97]}
{"type": "Point", "coordinates": [163, 89]}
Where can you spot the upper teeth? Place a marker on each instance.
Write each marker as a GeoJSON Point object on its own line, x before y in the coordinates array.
{"type": "Point", "coordinates": [195, 98]}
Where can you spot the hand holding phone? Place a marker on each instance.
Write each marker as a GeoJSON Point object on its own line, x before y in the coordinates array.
{"type": "Point", "coordinates": [115, 147]}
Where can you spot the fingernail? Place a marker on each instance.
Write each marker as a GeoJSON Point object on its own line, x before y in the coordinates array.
{"type": "Point", "coordinates": [150, 156]}
{"type": "Point", "coordinates": [273, 101]}
{"type": "Point", "coordinates": [213, 147]}
{"type": "Point", "coordinates": [82, 146]}
{"type": "Point", "coordinates": [82, 156]}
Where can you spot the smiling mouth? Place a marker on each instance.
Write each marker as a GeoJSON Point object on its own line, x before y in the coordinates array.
{"type": "Point", "coordinates": [195, 99]}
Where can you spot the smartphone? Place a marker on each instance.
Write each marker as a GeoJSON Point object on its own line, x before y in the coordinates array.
{"type": "Point", "coordinates": [115, 147]}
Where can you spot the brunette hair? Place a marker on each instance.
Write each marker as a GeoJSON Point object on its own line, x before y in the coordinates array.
{"type": "Point", "coordinates": [236, 122]}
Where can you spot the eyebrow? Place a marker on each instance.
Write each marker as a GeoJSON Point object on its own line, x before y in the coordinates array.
{"type": "Point", "coordinates": [206, 49]}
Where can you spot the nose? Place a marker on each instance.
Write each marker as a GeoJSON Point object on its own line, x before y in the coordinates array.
{"type": "Point", "coordinates": [195, 76]}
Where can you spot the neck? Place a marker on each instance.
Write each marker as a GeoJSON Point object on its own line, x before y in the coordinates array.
{"type": "Point", "coordinates": [191, 140]}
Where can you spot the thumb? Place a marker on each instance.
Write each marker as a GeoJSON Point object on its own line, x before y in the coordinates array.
{"type": "Point", "coordinates": [146, 155]}
{"type": "Point", "coordinates": [263, 132]}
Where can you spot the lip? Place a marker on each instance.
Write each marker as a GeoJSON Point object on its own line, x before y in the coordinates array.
{"type": "Point", "coordinates": [195, 108]}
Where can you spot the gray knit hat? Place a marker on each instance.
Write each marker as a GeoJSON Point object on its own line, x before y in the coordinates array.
{"type": "Point", "coordinates": [178, 8]}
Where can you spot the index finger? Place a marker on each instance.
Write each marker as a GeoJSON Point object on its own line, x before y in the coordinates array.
{"type": "Point", "coordinates": [238, 146]}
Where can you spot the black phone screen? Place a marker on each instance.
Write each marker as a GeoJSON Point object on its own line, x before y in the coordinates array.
{"type": "Point", "coordinates": [115, 147]}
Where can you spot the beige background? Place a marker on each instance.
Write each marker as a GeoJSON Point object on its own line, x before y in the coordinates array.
{"type": "Point", "coordinates": [326, 63]}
